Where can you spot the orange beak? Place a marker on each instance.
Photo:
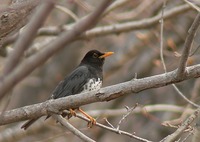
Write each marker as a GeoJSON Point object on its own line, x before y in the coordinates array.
{"type": "Point", "coordinates": [106, 54]}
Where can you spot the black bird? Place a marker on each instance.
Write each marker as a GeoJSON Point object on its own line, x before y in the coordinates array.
{"type": "Point", "coordinates": [87, 76]}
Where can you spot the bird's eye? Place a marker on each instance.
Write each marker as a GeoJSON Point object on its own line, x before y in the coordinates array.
{"type": "Point", "coordinates": [95, 55]}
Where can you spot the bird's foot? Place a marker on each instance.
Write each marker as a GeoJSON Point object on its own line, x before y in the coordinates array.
{"type": "Point", "coordinates": [91, 122]}
{"type": "Point", "coordinates": [71, 113]}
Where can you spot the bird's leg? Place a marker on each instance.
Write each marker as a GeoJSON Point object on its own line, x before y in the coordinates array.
{"type": "Point", "coordinates": [92, 120]}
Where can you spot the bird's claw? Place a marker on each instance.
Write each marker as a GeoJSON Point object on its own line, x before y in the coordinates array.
{"type": "Point", "coordinates": [91, 122]}
{"type": "Point", "coordinates": [71, 113]}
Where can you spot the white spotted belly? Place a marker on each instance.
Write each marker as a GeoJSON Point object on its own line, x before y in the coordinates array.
{"type": "Point", "coordinates": [92, 85]}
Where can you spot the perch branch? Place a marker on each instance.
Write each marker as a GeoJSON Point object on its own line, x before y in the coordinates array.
{"type": "Point", "coordinates": [105, 94]}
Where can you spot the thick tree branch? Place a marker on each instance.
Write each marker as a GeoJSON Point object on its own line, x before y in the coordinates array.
{"type": "Point", "coordinates": [67, 37]}
{"type": "Point", "coordinates": [15, 17]}
{"type": "Point", "coordinates": [105, 94]}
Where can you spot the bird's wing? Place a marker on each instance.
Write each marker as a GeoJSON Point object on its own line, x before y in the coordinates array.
{"type": "Point", "coordinates": [72, 84]}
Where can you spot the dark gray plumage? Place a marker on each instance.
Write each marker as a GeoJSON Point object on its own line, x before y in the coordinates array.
{"type": "Point", "coordinates": [86, 77]}
{"type": "Point", "coordinates": [75, 82]}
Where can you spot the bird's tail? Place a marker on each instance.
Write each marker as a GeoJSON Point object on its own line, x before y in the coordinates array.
{"type": "Point", "coordinates": [29, 123]}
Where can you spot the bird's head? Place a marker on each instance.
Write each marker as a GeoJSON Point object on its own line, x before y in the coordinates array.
{"type": "Point", "coordinates": [95, 57]}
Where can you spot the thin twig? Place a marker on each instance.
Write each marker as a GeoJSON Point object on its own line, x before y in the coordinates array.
{"type": "Point", "coordinates": [115, 130]}
{"type": "Point", "coordinates": [71, 128]}
{"type": "Point", "coordinates": [193, 5]}
{"type": "Point", "coordinates": [136, 12]}
{"type": "Point", "coordinates": [183, 96]}
{"type": "Point", "coordinates": [148, 108]}
{"type": "Point", "coordinates": [129, 111]}
{"type": "Point", "coordinates": [195, 50]}
{"type": "Point", "coordinates": [109, 123]}
{"type": "Point", "coordinates": [114, 6]}
{"type": "Point", "coordinates": [67, 11]}
{"type": "Point", "coordinates": [161, 36]}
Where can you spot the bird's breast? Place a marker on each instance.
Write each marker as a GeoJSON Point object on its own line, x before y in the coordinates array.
{"type": "Point", "coordinates": [92, 85]}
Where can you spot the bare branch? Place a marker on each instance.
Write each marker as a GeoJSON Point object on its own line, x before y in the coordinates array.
{"type": "Point", "coordinates": [26, 38]}
{"type": "Point", "coordinates": [115, 5]}
{"type": "Point", "coordinates": [193, 5]}
{"type": "Point", "coordinates": [129, 111]}
{"type": "Point", "coordinates": [183, 96]}
{"type": "Point", "coordinates": [185, 125]}
{"type": "Point", "coordinates": [67, 11]}
{"type": "Point", "coordinates": [161, 37]}
{"type": "Point", "coordinates": [187, 46]}
{"type": "Point", "coordinates": [148, 108]}
{"type": "Point", "coordinates": [115, 130]}
{"type": "Point", "coordinates": [30, 64]}
{"type": "Point", "coordinates": [119, 28]}
{"type": "Point", "coordinates": [105, 94]}
{"type": "Point", "coordinates": [109, 123]}
{"type": "Point", "coordinates": [71, 128]}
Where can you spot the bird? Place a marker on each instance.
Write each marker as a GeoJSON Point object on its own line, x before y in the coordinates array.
{"type": "Point", "coordinates": [87, 76]}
